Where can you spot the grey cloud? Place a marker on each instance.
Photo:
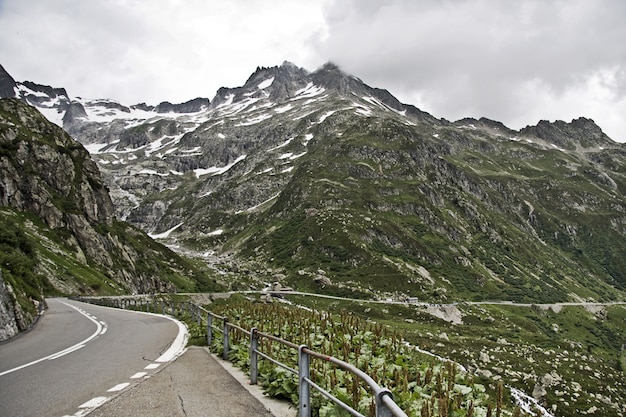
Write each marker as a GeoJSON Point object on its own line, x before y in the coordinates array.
{"type": "Point", "coordinates": [507, 60]}
{"type": "Point", "coordinates": [471, 57]}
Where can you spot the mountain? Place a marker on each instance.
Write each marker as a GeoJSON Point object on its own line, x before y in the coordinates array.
{"type": "Point", "coordinates": [323, 183]}
{"type": "Point", "coordinates": [58, 232]}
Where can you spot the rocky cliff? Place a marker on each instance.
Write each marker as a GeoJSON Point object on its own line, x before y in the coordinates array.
{"type": "Point", "coordinates": [59, 233]}
{"type": "Point", "coordinates": [13, 318]}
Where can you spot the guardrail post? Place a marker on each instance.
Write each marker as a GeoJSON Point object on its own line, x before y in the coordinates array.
{"type": "Point", "coordinates": [209, 330]}
{"type": "Point", "coordinates": [254, 346]}
{"type": "Point", "coordinates": [304, 391]}
{"type": "Point", "coordinates": [381, 409]}
{"type": "Point", "coordinates": [198, 316]}
{"type": "Point", "coordinates": [226, 347]}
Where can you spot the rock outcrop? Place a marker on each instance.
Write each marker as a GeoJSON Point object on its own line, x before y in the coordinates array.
{"type": "Point", "coordinates": [46, 174]}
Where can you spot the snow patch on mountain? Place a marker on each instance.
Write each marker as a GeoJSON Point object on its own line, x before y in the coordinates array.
{"type": "Point", "coordinates": [325, 116]}
{"type": "Point", "coordinates": [284, 109]}
{"type": "Point", "coordinates": [266, 83]}
{"type": "Point", "coordinates": [50, 107]}
{"type": "Point", "coordinates": [153, 172]}
{"type": "Point", "coordinates": [165, 234]}
{"type": "Point", "coordinates": [291, 156]}
{"type": "Point", "coordinates": [53, 115]}
{"type": "Point", "coordinates": [311, 90]}
{"type": "Point", "coordinates": [95, 148]}
{"type": "Point", "coordinates": [217, 170]}
{"type": "Point", "coordinates": [255, 120]}
{"type": "Point", "coordinates": [282, 145]}
{"type": "Point", "coordinates": [363, 111]}
{"type": "Point", "coordinates": [254, 208]}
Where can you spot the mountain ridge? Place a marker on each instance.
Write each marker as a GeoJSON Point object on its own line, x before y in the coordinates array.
{"type": "Point", "coordinates": [256, 175]}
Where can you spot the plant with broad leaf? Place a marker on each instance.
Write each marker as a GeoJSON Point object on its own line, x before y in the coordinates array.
{"type": "Point", "coordinates": [421, 385]}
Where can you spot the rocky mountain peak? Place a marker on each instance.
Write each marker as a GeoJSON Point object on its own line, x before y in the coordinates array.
{"type": "Point", "coordinates": [274, 83]}
{"type": "Point", "coordinates": [191, 106]}
{"type": "Point", "coordinates": [7, 84]}
{"type": "Point", "coordinates": [331, 77]}
{"type": "Point", "coordinates": [580, 132]}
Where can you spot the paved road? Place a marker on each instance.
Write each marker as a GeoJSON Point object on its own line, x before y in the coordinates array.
{"type": "Point", "coordinates": [79, 355]}
{"type": "Point", "coordinates": [195, 385]}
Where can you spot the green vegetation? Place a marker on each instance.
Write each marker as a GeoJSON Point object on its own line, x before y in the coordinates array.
{"type": "Point", "coordinates": [38, 261]}
{"type": "Point", "coordinates": [571, 357]}
{"type": "Point", "coordinates": [422, 385]}
{"type": "Point", "coordinates": [388, 212]}
{"type": "Point", "coordinates": [575, 353]}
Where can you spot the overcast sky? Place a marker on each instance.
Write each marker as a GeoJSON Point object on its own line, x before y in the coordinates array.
{"type": "Point", "coordinates": [517, 62]}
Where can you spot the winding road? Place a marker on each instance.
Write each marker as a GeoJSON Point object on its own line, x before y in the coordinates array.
{"type": "Point", "coordinates": [80, 355]}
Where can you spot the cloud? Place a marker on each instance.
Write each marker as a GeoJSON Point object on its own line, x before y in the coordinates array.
{"type": "Point", "coordinates": [510, 61]}
{"type": "Point", "coordinates": [144, 50]}
{"type": "Point", "coordinates": [516, 61]}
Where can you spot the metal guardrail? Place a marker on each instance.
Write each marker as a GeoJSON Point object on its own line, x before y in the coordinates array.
{"type": "Point", "coordinates": [385, 405]}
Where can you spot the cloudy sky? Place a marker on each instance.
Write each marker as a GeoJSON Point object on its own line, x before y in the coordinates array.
{"type": "Point", "coordinates": [513, 61]}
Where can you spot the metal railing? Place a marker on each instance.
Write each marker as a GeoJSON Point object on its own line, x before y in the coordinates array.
{"type": "Point", "coordinates": [383, 399]}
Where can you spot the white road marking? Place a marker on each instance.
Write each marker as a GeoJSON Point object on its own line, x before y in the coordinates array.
{"type": "Point", "coordinates": [64, 351]}
{"type": "Point", "coordinates": [178, 345]}
{"type": "Point", "coordinates": [94, 402]}
{"type": "Point", "coordinates": [176, 348]}
{"type": "Point", "coordinates": [119, 387]}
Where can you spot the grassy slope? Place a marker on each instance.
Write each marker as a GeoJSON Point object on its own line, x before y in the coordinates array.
{"type": "Point", "coordinates": [497, 219]}
{"type": "Point", "coordinates": [579, 348]}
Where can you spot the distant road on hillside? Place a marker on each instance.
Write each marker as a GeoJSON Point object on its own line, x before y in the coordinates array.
{"type": "Point", "coordinates": [79, 355]}
{"type": "Point", "coordinates": [416, 303]}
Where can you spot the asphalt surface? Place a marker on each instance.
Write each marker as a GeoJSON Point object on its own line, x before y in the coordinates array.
{"type": "Point", "coordinates": [196, 384]}
{"type": "Point", "coordinates": [81, 359]}
{"type": "Point", "coordinates": [78, 355]}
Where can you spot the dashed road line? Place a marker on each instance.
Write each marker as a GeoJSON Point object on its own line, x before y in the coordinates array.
{"type": "Point", "coordinates": [176, 348]}
{"type": "Point", "coordinates": [94, 402]}
{"type": "Point", "coordinates": [65, 351]}
{"type": "Point", "coordinates": [118, 387]}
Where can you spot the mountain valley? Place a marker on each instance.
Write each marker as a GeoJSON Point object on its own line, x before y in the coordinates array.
{"type": "Point", "coordinates": [318, 182]}
{"type": "Point", "coordinates": [322, 183]}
